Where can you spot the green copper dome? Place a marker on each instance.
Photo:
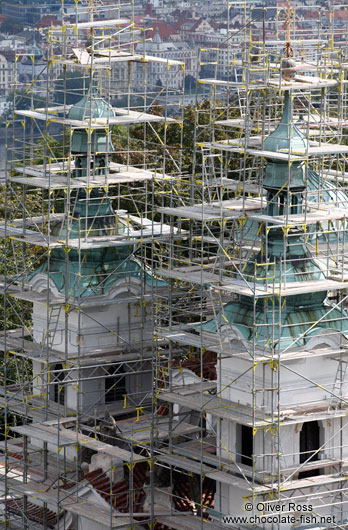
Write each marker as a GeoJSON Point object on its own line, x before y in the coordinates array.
{"type": "Point", "coordinates": [91, 106]}
{"type": "Point", "coordinates": [92, 272]}
{"type": "Point", "coordinates": [286, 136]}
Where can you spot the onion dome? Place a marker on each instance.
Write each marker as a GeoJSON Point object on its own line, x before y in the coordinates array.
{"type": "Point", "coordinates": [92, 271]}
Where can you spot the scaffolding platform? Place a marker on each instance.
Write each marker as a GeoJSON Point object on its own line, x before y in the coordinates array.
{"type": "Point", "coordinates": [58, 175]}
{"type": "Point", "coordinates": [222, 282]}
{"type": "Point", "coordinates": [231, 209]}
{"type": "Point", "coordinates": [207, 341]}
{"type": "Point", "coordinates": [245, 415]}
{"type": "Point", "coordinates": [254, 148]}
{"type": "Point", "coordinates": [34, 407]}
{"type": "Point", "coordinates": [317, 214]}
{"type": "Point", "coordinates": [148, 230]}
{"type": "Point", "coordinates": [102, 58]}
{"type": "Point", "coordinates": [64, 437]}
{"type": "Point", "coordinates": [122, 117]}
{"type": "Point", "coordinates": [277, 83]}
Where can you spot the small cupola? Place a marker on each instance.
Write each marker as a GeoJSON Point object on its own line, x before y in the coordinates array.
{"type": "Point", "coordinates": [91, 106]}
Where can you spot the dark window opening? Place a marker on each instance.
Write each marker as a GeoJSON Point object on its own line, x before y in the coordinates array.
{"type": "Point", "coordinates": [59, 389]}
{"type": "Point", "coordinates": [281, 203]}
{"type": "Point", "coordinates": [272, 203]}
{"type": "Point", "coordinates": [309, 445]}
{"type": "Point", "coordinates": [294, 204]}
{"type": "Point", "coordinates": [247, 445]}
{"type": "Point", "coordinates": [101, 166]}
{"type": "Point", "coordinates": [78, 167]}
{"type": "Point", "coordinates": [115, 386]}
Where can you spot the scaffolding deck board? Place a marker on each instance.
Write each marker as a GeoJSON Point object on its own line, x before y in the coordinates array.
{"type": "Point", "coordinates": [59, 176]}
{"type": "Point", "coordinates": [32, 237]}
{"type": "Point", "coordinates": [195, 466]}
{"type": "Point", "coordinates": [99, 23]}
{"type": "Point", "coordinates": [232, 411]}
{"type": "Point", "coordinates": [249, 289]}
{"type": "Point", "coordinates": [190, 339]}
{"type": "Point", "coordinates": [203, 386]}
{"type": "Point", "coordinates": [61, 437]}
{"type": "Point", "coordinates": [242, 287]}
{"type": "Point", "coordinates": [318, 215]}
{"type": "Point", "coordinates": [298, 83]}
{"type": "Point", "coordinates": [101, 58]}
{"type": "Point", "coordinates": [203, 340]}
{"type": "Point", "coordinates": [210, 212]}
{"type": "Point", "coordinates": [122, 117]}
{"type": "Point", "coordinates": [221, 408]}
{"type": "Point", "coordinates": [254, 148]}
{"type": "Point", "coordinates": [35, 408]}
{"type": "Point", "coordinates": [142, 430]}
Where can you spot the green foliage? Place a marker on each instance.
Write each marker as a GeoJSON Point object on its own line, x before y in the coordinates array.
{"type": "Point", "coordinates": [190, 83]}
{"type": "Point", "coordinates": [23, 99]}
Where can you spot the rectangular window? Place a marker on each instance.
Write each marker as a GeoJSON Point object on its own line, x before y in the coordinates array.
{"type": "Point", "coordinates": [244, 444]}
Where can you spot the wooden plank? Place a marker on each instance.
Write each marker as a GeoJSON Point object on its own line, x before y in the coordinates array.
{"type": "Point", "coordinates": [196, 466]}
{"type": "Point", "coordinates": [43, 435]}
{"type": "Point", "coordinates": [96, 445]}
{"type": "Point", "coordinates": [319, 215]}
{"type": "Point", "coordinates": [206, 212]}
{"type": "Point", "coordinates": [190, 339]}
{"type": "Point", "coordinates": [221, 408]}
{"type": "Point", "coordinates": [111, 23]}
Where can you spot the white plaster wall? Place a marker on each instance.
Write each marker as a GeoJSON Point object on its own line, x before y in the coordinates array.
{"type": "Point", "coordinates": [105, 326]}
{"type": "Point", "coordinates": [230, 500]}
{"type": "Point", "coordinates": [87, 393]}
{"type": "Point", "coordinates": [312, 381]}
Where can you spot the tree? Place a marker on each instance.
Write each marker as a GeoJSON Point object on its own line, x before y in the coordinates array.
{"type": "Point", "coordinates": [190, 83]}
{"type": "Point", "coordinates": [23, 100]}
{"type": "Point", "coordinates": [11, 26]}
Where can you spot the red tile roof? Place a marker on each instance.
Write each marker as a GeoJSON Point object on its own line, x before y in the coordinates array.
{"type": "Point", "coordinates": [34, 513]}
{"type": "Point", "coordinates": [117, 494]}
{"type": "Point", "coordinates": [48, 21]}
{"type": "Point", "coordinates": [165, 30]}
{"type": "Point", "coordinates": [209, 365]}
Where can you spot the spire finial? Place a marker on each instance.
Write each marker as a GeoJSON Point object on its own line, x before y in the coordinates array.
{"type": "Point", "coordinates": [287, 25]}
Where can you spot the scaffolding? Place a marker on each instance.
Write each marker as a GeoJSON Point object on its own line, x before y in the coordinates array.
{"type": "Point", "coordinates": [88, 158]}
{"type": "Point", "coordinates": [256, 313]}
{"type": "Point", "coordinates": [175, 331]}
